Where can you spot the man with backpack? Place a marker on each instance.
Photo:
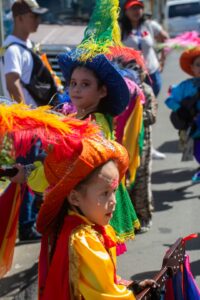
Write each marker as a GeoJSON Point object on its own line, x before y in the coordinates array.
{"type": "Point", "coordinates": [18, 60]}
{"type": "Point", "coordinates": [19, 65]}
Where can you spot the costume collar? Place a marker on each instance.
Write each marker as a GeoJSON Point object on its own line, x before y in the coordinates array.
{"type": "Point", "coordinates": [107, 241]}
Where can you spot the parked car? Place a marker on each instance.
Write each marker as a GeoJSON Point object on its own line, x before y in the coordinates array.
{"type": "Point", "coordinates": [182, 15]}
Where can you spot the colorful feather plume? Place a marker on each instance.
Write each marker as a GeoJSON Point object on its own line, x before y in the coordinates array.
{"type": "Point", "coordinates": [27, 125]}
{"type": "Point", "coordinates": [127, 54]}
{"type": "Point", "coordinates": [102, 31]}
{"type": "Point", "coordinates": [10, 202]}
{"type": "Point", "coordinates": [189, 39]}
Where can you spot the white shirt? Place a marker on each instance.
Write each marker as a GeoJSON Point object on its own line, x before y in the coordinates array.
{"type": "Point", "coordinates": [20, 61]}
{"type": "Point", "coordinates": [143, 40]}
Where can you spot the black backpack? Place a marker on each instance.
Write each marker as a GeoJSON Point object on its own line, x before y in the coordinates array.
{"type": "Point", "coordinates": [42, 86]}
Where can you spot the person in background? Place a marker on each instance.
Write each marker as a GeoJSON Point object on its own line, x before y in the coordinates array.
{"type": "Point", "coordinates": [131, 65]}
{"type": "Point", "coordinates": [141, 32]}
{"type": "Point", "coordinates": [184, 101]}
{"type": "Point", "coordinates": [17, 68]}
{"type": "Point", "coordinates": [17, 61]}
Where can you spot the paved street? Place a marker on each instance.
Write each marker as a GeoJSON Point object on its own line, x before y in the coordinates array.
{"type": "Point", "coordinates": [177, 202]}
{"type": "Point", "coordinates": [177, 208]}
{"type": "Point", "coordinates": [69, 35]}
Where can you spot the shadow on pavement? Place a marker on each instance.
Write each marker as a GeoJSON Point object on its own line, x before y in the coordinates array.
{"type": "Point", "coordinates": [16, 283]}
{"type": "Point", "coordinates": [144, 275]}
{"type": "Point", "coordinates": [164, 199]}
{"type": "Point", "coordinates": [170, 147]}
{"type": "Point", "coordinates": [193, 244]}
{"type": "Point", "coordinates": [195, 268]}
{"type": "Point", "coordinates": [172, 175]}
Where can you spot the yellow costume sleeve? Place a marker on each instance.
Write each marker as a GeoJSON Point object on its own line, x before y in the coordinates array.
{"type": "Point", "coordinates": [37, 179]}
{"type": "Point", "coordinates": [95, 268]}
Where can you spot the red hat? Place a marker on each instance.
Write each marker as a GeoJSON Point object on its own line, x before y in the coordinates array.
{"type": "Point", "coordinates": [130, 3]}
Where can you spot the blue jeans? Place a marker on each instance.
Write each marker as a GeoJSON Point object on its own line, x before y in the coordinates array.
{"type": "Point", "coordinates": [155, 82]}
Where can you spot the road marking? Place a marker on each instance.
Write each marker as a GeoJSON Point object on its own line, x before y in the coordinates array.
{"type": "Point", "coordinates": [48, 36]}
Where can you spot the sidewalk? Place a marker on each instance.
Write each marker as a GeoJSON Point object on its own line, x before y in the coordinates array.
{"type": "Point", "coordinates": [68, 35]}
{"type": "Point", "coordinates": [21, 281]}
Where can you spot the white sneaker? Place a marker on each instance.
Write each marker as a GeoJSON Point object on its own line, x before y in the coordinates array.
{"type": "Point", "coordinates": [157, 155]}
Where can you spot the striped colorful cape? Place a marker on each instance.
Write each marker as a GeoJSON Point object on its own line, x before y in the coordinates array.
{"type": "Point", "coordinates": [10, 202]}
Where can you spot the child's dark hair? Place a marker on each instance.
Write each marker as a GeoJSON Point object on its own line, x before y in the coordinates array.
{"type": "Point", "coordinates": [126, 26]}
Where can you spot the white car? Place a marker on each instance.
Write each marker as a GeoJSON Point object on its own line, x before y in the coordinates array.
{"type": "Point", "coordinates": [182, 16]}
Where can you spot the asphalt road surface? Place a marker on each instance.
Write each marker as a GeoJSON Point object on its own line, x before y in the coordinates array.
{"type": "Point", "coordinates": [177, 201]}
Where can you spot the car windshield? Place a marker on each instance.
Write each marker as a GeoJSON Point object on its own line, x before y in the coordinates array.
{"type": "Point", "coordinates": [184, 10]}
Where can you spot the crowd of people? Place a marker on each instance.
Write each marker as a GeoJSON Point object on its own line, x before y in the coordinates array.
{"type": "Point", "coordinates": [91, 201]}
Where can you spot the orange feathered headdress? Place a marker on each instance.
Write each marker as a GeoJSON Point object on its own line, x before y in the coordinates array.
{"type": "Point", "coordinates": [60, 135]}
{"type": "Point", "coordinates": [74, 149]}
{"type": "Point", "coordinates": [63, 177]}
{"type": "Point", "coordinates": [27, 125]}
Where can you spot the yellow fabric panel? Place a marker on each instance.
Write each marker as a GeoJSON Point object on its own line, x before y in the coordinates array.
{"type": "Point", "coordinates": [130, 138]}
{"type": "Point", "coordinates": [104, 125]}
{"type": "Point", "coordinates": [96, 266]}
{"type": "Point", "coordinates": [37, 179]}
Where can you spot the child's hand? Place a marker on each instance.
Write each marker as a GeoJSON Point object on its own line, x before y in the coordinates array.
{"type": "Point", "coordinates": [20, 177]}
{"type": "Point", "coordinates": [148, 283]}
{"type": "Point", "coordinates": [139, 286]}
{"type": "Point", "coordinates": [155, 289]}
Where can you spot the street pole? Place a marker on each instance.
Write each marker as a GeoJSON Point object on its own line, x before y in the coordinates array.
{"type": "Point", "coordinates": [1, 37]}
{"type": "Point", "coordinates": [1, 24]}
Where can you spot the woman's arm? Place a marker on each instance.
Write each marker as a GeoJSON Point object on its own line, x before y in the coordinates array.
{"type": "Point", "coordinates": [33, 175]}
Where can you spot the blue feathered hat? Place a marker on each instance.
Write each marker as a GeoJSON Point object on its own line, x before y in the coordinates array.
{"type": "Point", "coordinates": [118, 93]}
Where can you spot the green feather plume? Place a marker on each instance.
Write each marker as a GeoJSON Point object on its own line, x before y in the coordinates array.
{"type": "Point", "coordinates": [102, 31]}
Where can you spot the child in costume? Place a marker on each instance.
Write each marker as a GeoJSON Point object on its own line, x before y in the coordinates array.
{"type": "Point", "coordinates": [139, 189]}
{"type": "Point", "coordinates": [98, 90]}
{"type": "Point", "coordinates": [78, 252]}
{"type": "Point", "coordinates": [184, 101]}
{"type": "Point", "coordinates": [24, 126]}
{"type": "Point", "coordinates": [109, 97]}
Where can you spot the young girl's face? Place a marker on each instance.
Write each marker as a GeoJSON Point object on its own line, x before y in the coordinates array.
{"type": "Point", "coordinates": [195, 67]}
{"type": "Point", "coordinates": [97, 201]}
{"type": "Point", "coordinates": [134, 13]}
{"type": "Point", "coordinates": [84, 89]}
